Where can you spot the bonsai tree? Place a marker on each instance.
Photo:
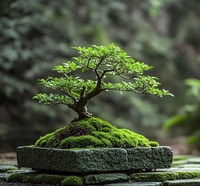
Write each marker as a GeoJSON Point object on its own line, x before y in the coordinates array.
{"type": "Point", "coordinates": [102, 61]}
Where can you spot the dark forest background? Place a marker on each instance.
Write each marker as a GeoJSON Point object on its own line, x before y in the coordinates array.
{"type": "Point", "coordinates": [36, 35]}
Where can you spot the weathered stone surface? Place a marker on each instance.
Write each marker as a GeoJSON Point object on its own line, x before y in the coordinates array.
{"type": "Point", "coordinates": [94, 160]}
{"type": "Point", "coordinates": [136, 184]}
{"type": "Point", "coordinates": [184, 182]}
{"type": "Point", "coordinates": [150, 158]}
{"type": "Point", "coordinates": [106, 178]}
{"type": "Point", "coordinates": [161, 177]}
{"type": "Point", "coordinates": [73, 160]}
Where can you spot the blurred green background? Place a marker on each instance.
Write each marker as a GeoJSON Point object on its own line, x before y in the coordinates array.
{"type": "Point", "coordinates": [36, 35]}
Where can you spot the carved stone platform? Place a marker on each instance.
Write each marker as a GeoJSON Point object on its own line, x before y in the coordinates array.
{"type": "Point", "coordinates": [95, 160]}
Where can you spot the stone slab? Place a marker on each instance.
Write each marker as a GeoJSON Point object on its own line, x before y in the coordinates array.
{"type": "Point", "coordinates": [72, 160]}
{"type": "Point", "coordinates": [105, 178]}
{"type": "Point", "coordinates": [136, 184]}
{"type": "Point", "coordinates": [94, 160]}
{"type": "Point", "coordinates": [150, 158]}
{"type": "Point", "coordinates": [183, 182]}
{"type": "Point", "coordinates": [164, 176]}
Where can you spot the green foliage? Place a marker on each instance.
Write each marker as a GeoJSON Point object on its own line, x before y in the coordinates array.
{"type": "Point", "coordinates": [103, 61]}
{"type": "Point", "coordinates": [92, 133]}
{"type": "Point", "coordinates": [187, 123]}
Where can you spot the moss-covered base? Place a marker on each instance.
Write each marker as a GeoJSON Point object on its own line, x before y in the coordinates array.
{"type": "Point", "coordinates": [93, 133]}
{"type": "Point", "coordinates": [174, 176]}
{"type": "Point", "coordinates": [179, 178]}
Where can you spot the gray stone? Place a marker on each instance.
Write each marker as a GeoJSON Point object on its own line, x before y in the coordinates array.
{"type": "Point", "coordinates": [94, 160]}
{"type": "Point", "coordinates": [106, 178]}
{"type": "Point", "coordinates": [183, 182]}
{"type": "Point", "coordinates": [150, 158]}
{"type": "Point", "coordinates": [136, 184]}
{"type": "Point", "coordinates": [73, 160]}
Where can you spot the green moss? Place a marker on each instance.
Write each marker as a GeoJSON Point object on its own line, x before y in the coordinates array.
{"type": "Point", "coordinates": [154, 176]}
{"type": "Point", "coordinates": [104, 137]}
{"type": "Point", "coordinates": [81, 142]}
{"type": "Point", "coordinates": [72, 181]}
{"type": "Point", "coordinates": [48, 179]}
{"type": "Point", "coordinates": [15, 177]}
{"type": "Point", "coordinates": [153, 143]}
{"type": "Point", "coordinates": [36, 178]}
{"type": "Point", "coordinates": [45, 140]}
{"type": "Point", "coordinates": [21, 177]}
{"type": "Point", "coordinates": [163, 176]}
{"type": "Point", "coordinates": [93, 132]}
{"type": "Point", "coordinates": [188, 175]}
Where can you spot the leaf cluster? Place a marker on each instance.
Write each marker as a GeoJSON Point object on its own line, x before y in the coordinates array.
{"type": "Point", "coordinates": [102, 61]}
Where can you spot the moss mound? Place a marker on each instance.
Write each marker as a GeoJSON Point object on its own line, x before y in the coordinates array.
{"type": "Point", "coordinates": [92, 133]}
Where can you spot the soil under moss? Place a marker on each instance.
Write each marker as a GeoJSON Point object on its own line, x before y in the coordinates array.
{"type": "Point", "coordinates": [93, 133]}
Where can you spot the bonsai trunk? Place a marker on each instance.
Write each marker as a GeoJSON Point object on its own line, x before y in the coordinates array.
{"type": "Point", "coordinates": [80, 106]}
{"type": "Point", "coordinates": [81, 111]}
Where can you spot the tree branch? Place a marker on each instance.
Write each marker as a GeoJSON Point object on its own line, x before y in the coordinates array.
{"type": "Point", "coordinates": [82, 94]}
{"type": "Point", "coordinates": [96, 68]}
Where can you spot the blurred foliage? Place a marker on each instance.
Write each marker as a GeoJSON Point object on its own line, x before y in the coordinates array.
{"type": "Point", "coordinates": [37, 35]}
{"type": "Point", "coordinates": [187, 122]}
